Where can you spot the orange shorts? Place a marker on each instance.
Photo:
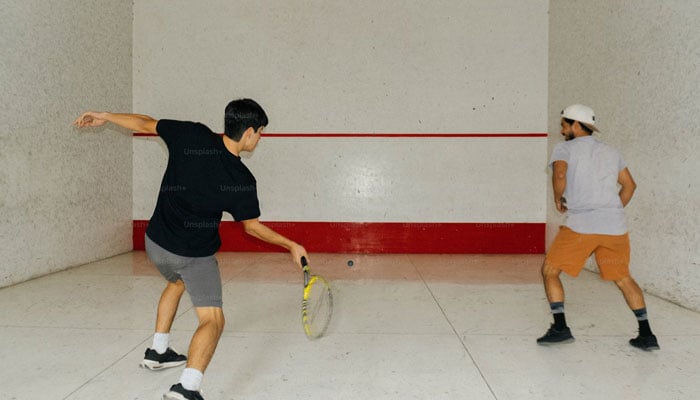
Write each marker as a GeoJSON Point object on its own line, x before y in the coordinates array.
{"type": "Point", "coordinates": [570, 251]}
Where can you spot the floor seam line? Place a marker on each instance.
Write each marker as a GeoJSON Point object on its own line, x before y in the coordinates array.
{"type": "Point", "coordinates": [454, 330]}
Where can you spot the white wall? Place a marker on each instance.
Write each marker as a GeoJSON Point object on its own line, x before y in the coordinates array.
{"type": "Point", "coordinates": [65, 196]}
{"type": "Point", "coordinates": [477, 66]}
{"type": "Point", "coordinates": [636, 63]}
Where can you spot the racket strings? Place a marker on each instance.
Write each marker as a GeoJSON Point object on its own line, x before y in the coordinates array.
{"type": "Point", "coordinates": [317, 307]}
{"type": "Point", "coordinates": [318, 304]}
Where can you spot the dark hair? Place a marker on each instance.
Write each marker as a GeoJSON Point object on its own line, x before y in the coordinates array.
{"type": "Point", "coordinates": [582, 125]}
{"type": "Point", "coordinates": [242, 114]}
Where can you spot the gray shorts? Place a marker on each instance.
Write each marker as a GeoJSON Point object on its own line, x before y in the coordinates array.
{"type": "Point", "coordinates": [200, 274]}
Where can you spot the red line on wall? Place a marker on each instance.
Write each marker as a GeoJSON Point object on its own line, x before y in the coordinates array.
{"type": "Point", "coordinates": [384, 237]}
{"type": "Point", "coordinates": [388, 135]}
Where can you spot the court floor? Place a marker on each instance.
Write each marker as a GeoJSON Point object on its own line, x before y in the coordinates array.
{"type": "Point", "coordinates": [405, 327]}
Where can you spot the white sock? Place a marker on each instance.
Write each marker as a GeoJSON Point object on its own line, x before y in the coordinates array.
{"type": "Point", "coordinates": [160, 342]}
{"type": "Point", "coordinates": [191, 379]}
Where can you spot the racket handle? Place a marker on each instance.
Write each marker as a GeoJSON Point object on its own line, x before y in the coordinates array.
{"type": "Point", "coordinates": [305, 268]}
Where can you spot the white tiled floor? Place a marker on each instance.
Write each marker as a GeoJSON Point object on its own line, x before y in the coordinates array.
{"type": "Point", "coordinates": [405, 327]}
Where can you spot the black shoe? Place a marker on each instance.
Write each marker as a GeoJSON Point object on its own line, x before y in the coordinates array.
{"type": "Point", "coordinates": [554, 336]}
{"type": "Point", "coordinates": [177, 392]}
{"type": "Point", "coordinates": [153, 360]}
{"type": "Point", "coordinates": [647, 343]}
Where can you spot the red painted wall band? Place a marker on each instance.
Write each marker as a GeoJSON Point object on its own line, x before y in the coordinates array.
{"type": "Point", "coordinates": [389, 135]}
{"type": "Point", "coordinates": [386, 237]}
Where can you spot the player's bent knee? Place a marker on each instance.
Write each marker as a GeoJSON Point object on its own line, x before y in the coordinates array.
{"type": "Point", "coordinates": [211, 315]}
{"type": "Point", "coordinates": [626, 282]}
{"type": "Point", "coordinates": [549, 271]}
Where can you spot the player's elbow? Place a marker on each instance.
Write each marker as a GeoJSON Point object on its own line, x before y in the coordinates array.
{"type": "Point", "coordinates": [149, 125]}
{"type": "Point", "coordinates": [559, 174]}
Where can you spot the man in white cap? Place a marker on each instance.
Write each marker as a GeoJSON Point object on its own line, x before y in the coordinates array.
{"type": "Point", "coordinates": [592, 185]}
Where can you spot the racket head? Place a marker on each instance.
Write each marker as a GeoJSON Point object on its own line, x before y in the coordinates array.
{"type": "Point", "coordinates": [316, 305]}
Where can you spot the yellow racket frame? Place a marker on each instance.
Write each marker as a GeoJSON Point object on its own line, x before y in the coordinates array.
{"type": "Point", "coordinates": [309, 282]}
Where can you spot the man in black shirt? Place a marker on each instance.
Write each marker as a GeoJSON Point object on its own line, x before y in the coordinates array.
{"type": "Point", "coordinates": [204, 178]}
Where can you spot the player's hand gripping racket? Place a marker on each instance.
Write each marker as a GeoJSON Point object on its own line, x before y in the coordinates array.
{"type": "Point", "coordinates": [317, 305]}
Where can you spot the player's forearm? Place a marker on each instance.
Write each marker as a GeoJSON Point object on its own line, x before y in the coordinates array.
{"type": "Point", "coordinates": [627, 186]}
{"type": "Point", "coordinates": [133, 122]}
{"type": "Point", "coordinates": [558, 186]}
{"type": "Point", "coordinates": [626, 194]}
{"type": "Point", "coordinates": [266, 234]}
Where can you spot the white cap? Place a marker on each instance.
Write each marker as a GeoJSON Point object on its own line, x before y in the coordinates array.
{"type": "Point", "coordinates": [582, 114]}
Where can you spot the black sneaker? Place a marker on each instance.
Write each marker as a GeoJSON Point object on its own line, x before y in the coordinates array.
{"type": "Point", "coordinates": [177, 392]}
{"type": "Point", "coordinates": [153, 360]}
{"type": "Point", "coordinates": [647, 343]}
{"type": "Point", "coordinates": [554, 336]}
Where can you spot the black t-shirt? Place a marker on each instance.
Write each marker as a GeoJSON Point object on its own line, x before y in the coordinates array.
{"type": "Point", "coordinates": [202, 180]}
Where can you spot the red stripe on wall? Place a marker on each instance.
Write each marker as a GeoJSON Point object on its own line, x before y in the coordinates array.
{"type": "Point", "coordinates": [388, 135]}
{"type": "Point", "coordinates": [386, 237]}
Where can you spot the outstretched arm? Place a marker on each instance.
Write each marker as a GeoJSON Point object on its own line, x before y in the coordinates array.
{"type": "Point", "coordinates": [559, 184]}
{"type": "Point", "coordinates": [256, 229]}
{"type": "Point", "coordinates": [133, 122]}
{"type": "Point", "coordinates": [624, 178]}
